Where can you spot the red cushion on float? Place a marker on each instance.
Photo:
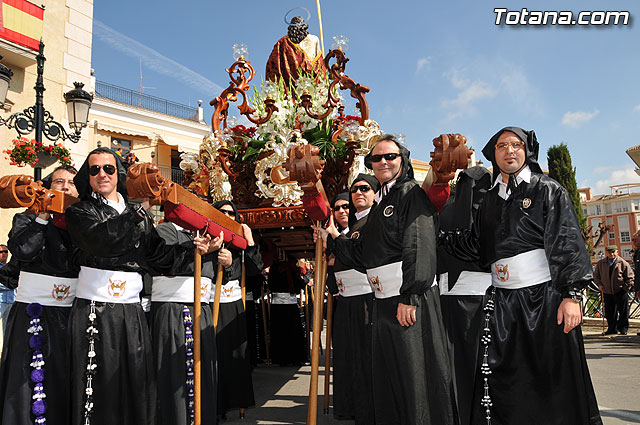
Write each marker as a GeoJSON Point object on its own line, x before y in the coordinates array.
{"type": "Point", "coordinates": [316, 207]}
{"type": "Point", "coordinates": [184, 216]}
{"type": "Point", "coordinates": [438, 195]}
{"type": "Point", "coordinates": [229, 237]}
{"type": "Point", "coordinates": [188, 219]}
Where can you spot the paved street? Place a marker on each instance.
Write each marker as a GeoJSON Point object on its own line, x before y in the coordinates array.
{"type": "Point", "coordinates": [614, 362]}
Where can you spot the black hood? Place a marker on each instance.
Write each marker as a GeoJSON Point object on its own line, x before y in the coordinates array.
{"type": "Point", "coordinates": [344, 196]}
{"type": "Point", "coordinates": [219, 204]}
{"type": "Point", "coordinates": [530, 143]}
{"type": "Point", "coordinates": [375, 186]}
{"type": "Point", "coordinates": [406, 172]}
{"type": "Point", "coordinates": [82, 178]}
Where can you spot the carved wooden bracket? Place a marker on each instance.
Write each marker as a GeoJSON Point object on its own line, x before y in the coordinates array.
{"type": "Point", "coordinates": [451, 153]}
{"type": "Point", "coordinates": [20, 191]}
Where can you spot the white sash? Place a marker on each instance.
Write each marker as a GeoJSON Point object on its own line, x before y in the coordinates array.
{"type": "Point", "coordinates": [178, 289]}
{"type": "Point", "coordinates": [110, 286]}
{"type": "Point", "coordinates": [386, 280]}
{"type": "Point", "coordinates": [468, 283]}
{"type": "Point", "coordinates": [229, 292]}
{"type": "Point", "coordinates": [520, 271]}
{"type": "Point", "coordinates": [46, 290]}
{"type": "Point", "coordinates": [352, 282]}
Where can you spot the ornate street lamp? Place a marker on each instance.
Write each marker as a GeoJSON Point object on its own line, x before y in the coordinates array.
{"type": "Point", "coordinates": [37, 118]}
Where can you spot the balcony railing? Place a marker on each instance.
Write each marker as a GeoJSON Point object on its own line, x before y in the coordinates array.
{"type": "Point", "coordinates": [152, 103]}
{"type": "Point", "coordinates": [175, 174]}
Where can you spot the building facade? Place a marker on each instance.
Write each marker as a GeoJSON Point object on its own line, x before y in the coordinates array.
{"type": "Point", "coordinates": [65, 26]}
{"type": "Point", "coordinates": [620, 211]}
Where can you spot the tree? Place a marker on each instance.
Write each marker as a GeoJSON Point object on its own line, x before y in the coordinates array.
{"type": "Point", "coordinates": [560, 169]}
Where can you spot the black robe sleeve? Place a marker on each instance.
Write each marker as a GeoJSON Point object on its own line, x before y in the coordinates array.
{"type": "Point", "coordinates": [100, 234]}
{"type": "Point", "coordinates": [418, 245]}
{"type": "Point", "coordinates": [26, 238]}
{"type": "Point", "coordinates": [564, 245]}
{"type": "Point", "coordinates": [9, 274]}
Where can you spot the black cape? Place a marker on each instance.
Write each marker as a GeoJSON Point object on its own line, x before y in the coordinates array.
{"type": "Point", "coordinates": [42, 249]}
{"type": "Point", "coordinates": [462, 314]}
{"type": "Point", "coordinates": [352, 372]}
{"type": "Point", "coordinates": [168, 339]}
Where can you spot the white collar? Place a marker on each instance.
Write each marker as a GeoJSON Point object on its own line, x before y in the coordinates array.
{"type": "Point", "coordinates": [345, 231]}
{"type": "Point", "coordinates": [386, 187]}
{"type": "Point", "coordinates": [362, 213]}
{"type": "Point", "coordinates": [119, 206]}
{"type": "Point", "coordinates": [523, 176]}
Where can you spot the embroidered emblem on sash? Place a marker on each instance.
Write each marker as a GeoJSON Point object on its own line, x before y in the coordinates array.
{"type": "Point", "coordinates": [204, 288]}
{"type": "Point", "coordinates": [60, 292]}
{"type": "Point", "coordinates": [116, 288]}
{"type": "Point", "coordinates": [502, 272]}
{"type": "Point", "coordinates": [526, 203]}
{"type": "Point", "coordinates": [227, 292]}
{"type": "Point", "coordinates": [340, 285]}
{"type": "Point", "coordinates": [375, 283]}
{"type": "Point", "coordinates": [355, 235]}
{"type": "Point", "coordinates": [388, 211]}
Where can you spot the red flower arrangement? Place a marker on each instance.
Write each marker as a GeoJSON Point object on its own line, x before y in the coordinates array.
{"type": "Point", "coordinates": [25, 152]}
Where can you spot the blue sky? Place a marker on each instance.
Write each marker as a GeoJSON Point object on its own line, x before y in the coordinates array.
{"type": "Point", "coordinates": [433, 67]}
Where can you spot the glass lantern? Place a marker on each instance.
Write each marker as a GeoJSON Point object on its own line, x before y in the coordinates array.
{"type": "Point", "coordinates": [340, 42]}
{"type": "Point", "coordinates": [240, 52]}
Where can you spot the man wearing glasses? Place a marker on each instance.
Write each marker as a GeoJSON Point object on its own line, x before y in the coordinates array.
{"type": "Point", "coordinates": [112, 376]}
{"type": "Point", "coordinates": [46, 282]}
{"type": "Point", "coordinates": [533, 367]}
{"type": "Point", "coordinates": [412, 382]}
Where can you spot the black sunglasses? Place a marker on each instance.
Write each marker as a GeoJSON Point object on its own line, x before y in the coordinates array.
{"type": "Point", "coordinates": [230, 213]}
{"type": "Point", "coordinates": [341, 207]}
{"type": "Point", "coordinates": [4, 252]}
{"type": "Point", "coordinates": [94, 170]}
{"type": "Point", "coordinates": [363, 188]}
{"type": "Point", "coordinates": [387, 156]}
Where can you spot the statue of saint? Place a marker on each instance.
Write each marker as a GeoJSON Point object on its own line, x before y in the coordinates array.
{"type": "Point", "coordinates": [295, 53]}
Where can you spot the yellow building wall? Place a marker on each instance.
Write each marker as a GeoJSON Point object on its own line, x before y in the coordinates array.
{"type": "Point", "coordinates": [67, 36]}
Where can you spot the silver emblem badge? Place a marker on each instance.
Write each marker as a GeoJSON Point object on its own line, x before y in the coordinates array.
{"type": "Point", "coordinates": [388, 211]}
{"type": "Point", "coordinates": [526, 203]}
{"type": "Point", "coordinates": [355, 235]}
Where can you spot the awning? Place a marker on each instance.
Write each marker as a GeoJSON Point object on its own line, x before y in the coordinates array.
{"type": "Point", "coordinates": [122, 130]}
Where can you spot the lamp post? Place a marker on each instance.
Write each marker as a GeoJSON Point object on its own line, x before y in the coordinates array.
{"type": "Point", "coordinates": [37, 118]}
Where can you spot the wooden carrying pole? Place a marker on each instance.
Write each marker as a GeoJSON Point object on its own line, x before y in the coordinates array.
{"type": "Point", "coordinates": [327, 353]}
{"type": "Point", "coordinates": [312, 410]}
{"type": "Point", "coordinates": [197, 310]}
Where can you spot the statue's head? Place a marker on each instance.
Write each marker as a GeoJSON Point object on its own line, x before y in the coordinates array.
{"type": "Point", "coordinates": [297, 29]}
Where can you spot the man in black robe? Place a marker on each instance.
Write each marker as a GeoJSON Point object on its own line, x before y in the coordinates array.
{"type": "Point", "coordinates": [172, 318]}
{"type": "Point", "coordinates": [534, 369]}
{"type": "Point", "coordinates": [412, 382]}
{"type": "Point", "coordinates": [46, 278]}
{"type": "Point", "coordinates": [112, 376]}
{"type": "Point", "coordinates": [235, 386]}
{"type": "Point", "coordinates": [462, 287]}
{"type": "Point", "coordinates": [352, 392]}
